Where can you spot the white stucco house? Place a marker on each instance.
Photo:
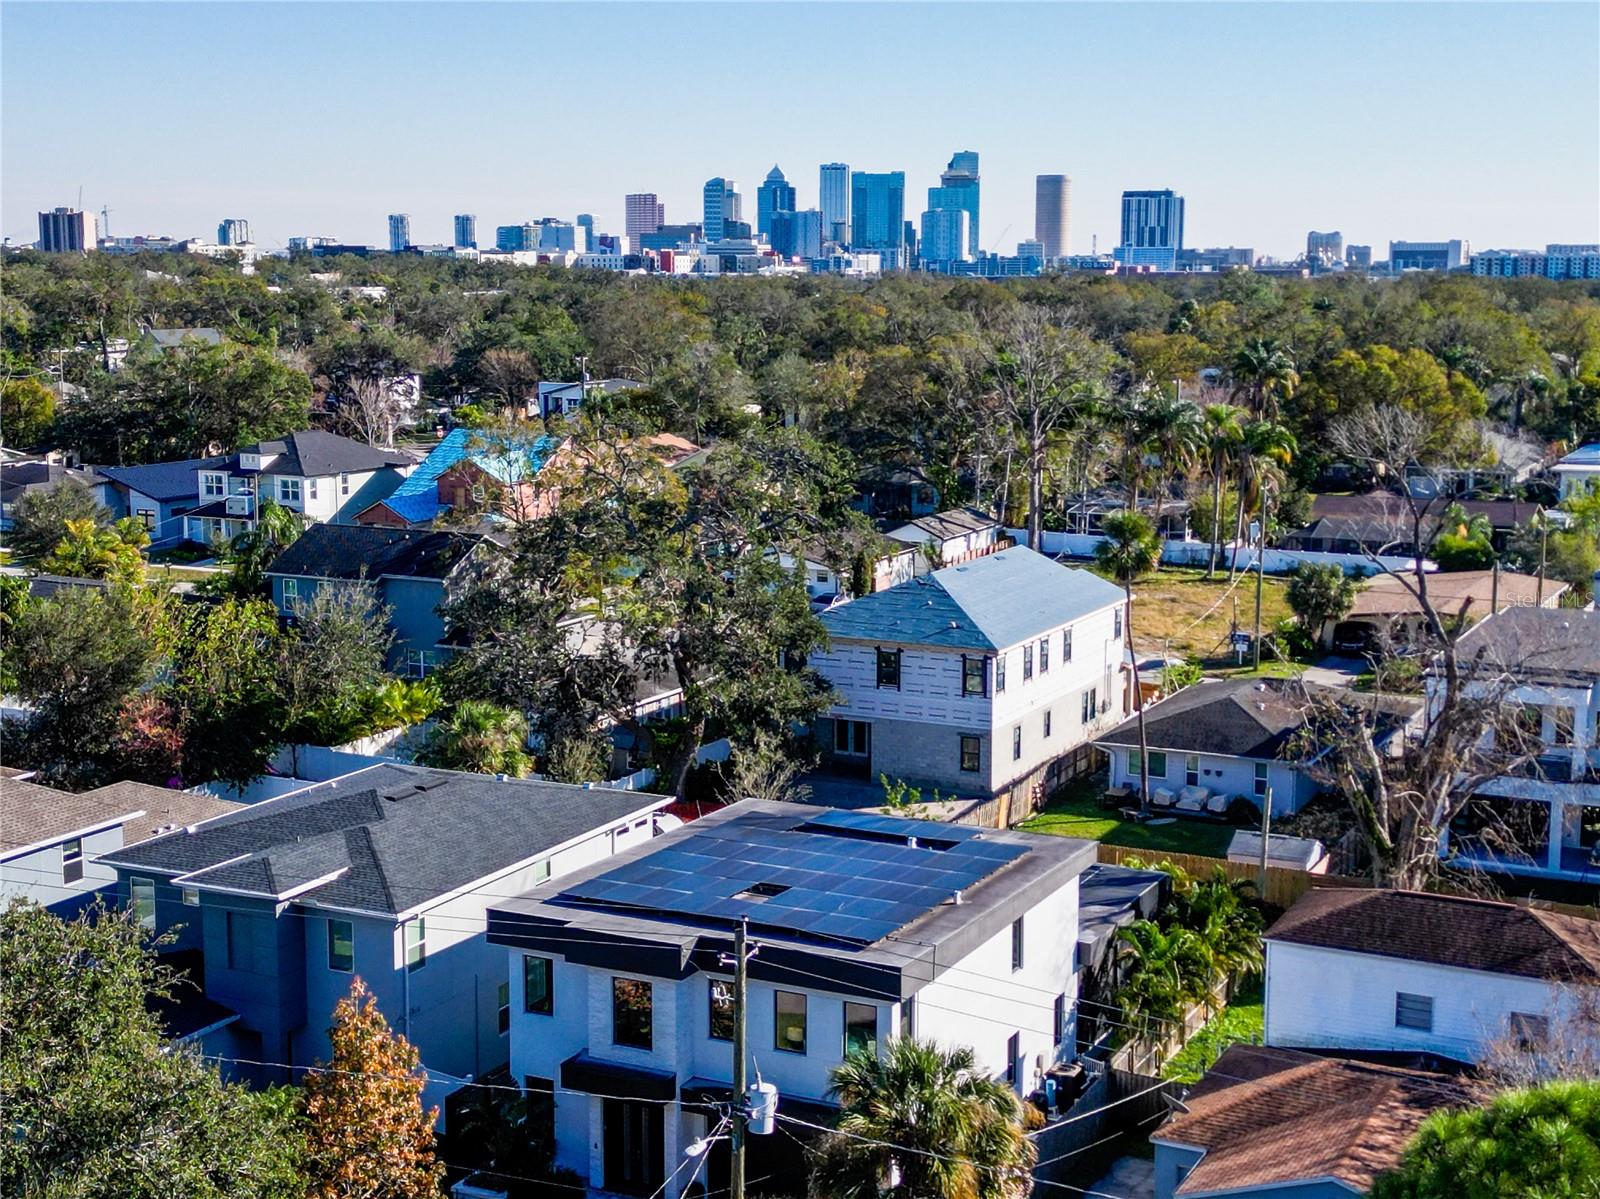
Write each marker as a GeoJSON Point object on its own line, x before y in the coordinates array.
{"type": "Point", "coordinates": [985, 679]}
{"type": "Point", "coordinates": [946, 538]}
{"type": "Point", "coordinates": [1421, 973]}
{"type": "Point", "coordinates": [1536, 813]}
{"type": "Point", "coordinates": [1579, 470]}
{"type": "Point", "coordinates": [866, 928]}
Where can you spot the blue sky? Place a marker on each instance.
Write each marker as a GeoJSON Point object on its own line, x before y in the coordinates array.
{"type": "Point", "coordinates": [1381, 120]}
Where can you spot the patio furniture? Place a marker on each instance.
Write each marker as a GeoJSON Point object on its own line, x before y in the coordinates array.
{"type": "Point", "coordinates": [1217, 805]}
{"type": "Point", "coordinates": [1162, 797]}
{"type": "Point", "coordinates": [1116, 797]}
{"type": "Point", "coordinates": [1193, 799]}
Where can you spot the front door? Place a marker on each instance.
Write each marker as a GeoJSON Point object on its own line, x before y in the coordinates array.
{"type": "Point", "coordinates": [852, 747]}
{"type": "Point", "coordinates": [633, 1147]}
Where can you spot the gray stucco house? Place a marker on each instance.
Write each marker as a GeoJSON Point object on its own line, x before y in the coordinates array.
{"type": "Point", "coordinates": [385, 874]}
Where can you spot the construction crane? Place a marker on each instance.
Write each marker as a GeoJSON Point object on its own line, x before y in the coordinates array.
{"type": "Point", "coordinates": [105, 221]}
{"type": "Point", "coordinates": [994, 246]}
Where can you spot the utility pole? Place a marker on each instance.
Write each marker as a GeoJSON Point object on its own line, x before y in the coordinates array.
{"type": "Point", "coordinates": [1261, 571]}
{"type": "Point", "coordinates": [1544, 542]}
{"type": "Point", "coordinates": [1266, 833]}
{"type": "Point", "coordinates": [740, 1052]}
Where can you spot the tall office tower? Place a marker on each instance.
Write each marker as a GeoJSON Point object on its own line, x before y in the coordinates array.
{"type": "Point", "coordinates": [1359, 257]}
{"type": "Point", "coordinates": [516, 237]}
{"type": "Point", "coordinates": [722, 203]}
{"type": "Point", "coordinates": [1428, 255]}
{"type": "Point", "coordinates": [958, 188]}
{"type": "Point", "coordinates": [775, 195]}
{"type": "Point", "coordinates": [399, 232]}
{"type": "Point", "coordinates": [1152, 229]}
{"type": "Point", "coordinates": [797, 234]}
{"type": "Point", "coordinates": [555, 234]}
{"type": "Point", "coordinates": [1052, 214]}
{"type": "Point", "coordinates": [878, 215]}
{"type": "Point", "coordinates": [834, 200]}
{"type": "Point", "coordinates": [466, 231]}
{"type": "Point", "coordinates": [233, 232]}
{"type": "Point", "coordinates": [945, 234]}
{"type": "Point", "coordinates": [585, 222]}
{"type": "Point", "coordinates": [645, 214]}
{"type": "Point", "coordinates": [66, 231]}
{"type": "Point", "coordinates": [1325, 248]}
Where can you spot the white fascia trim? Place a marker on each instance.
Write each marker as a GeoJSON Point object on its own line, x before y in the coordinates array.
{"type": "Point", "coordinates": [57, 839]}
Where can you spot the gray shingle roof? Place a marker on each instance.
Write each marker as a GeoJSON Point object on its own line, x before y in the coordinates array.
{"type": "Point", "coordinates": [395, 835]}
{"type": "Point", "coordinates": [163, 480]}
{"type": "Point", "coordinates": [989, 603]}
{"type": "Point", "coordinates": [1549, 644]}
{"type": "Point", "coordinates": [163, 807]}
{"type": "Point", "coordinates": [315, 453]}
{"type": "Point", "coordinates": [373, 551]}
{"type": "Point", "coordinates": [942, 526]}
{"type": "Point", "coordinates": [31, 814]}
{"type": "Point", "coordinates": [1245, 718]}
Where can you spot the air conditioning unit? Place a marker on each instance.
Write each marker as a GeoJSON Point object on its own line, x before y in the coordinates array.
{"type": "Point", "coordinates": [240, 505]}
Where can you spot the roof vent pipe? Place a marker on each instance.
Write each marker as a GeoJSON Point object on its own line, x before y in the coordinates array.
{"type": "Point", "coordinates": [955, 898]}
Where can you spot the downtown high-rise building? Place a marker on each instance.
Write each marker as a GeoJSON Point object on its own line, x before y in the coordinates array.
{"type": "Point", "coordinates": [1325, 248]}
{"type": "Point", "coordinates": [466, 231]}
{"type": "Point", "coordinates": [399, 232]}
{"type": "Point", "coordinates": [723, 205]}
{"type": "Point", "coordinates": [945, 236]}
{"type": "Point", "coordinates": [585, 223]}
{"type": "Point", "coordinates": [797, 234]}
{"type": "Point", "coordinates": [643, 213]}
{"type": "Point", "coordinates": [233, 231]}
{"type": "Point", "coordinates": [958, 188]}
{"type": "Point", "coordinates": [1052, 214]}
{"type": "Point", "coordinates": [878, 215]}
{"type": "Point", "coordinates": [1152, 229]}
{"type": "Point", "coordinates": [834, 201]}
{"type": "Point", "coordinates": [776, 194]}
{"type": "Point", "coordinates": [66, 231]}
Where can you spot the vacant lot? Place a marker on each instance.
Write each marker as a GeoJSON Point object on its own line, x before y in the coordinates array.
{"type": "Point", "coordinates": [1182, 607]}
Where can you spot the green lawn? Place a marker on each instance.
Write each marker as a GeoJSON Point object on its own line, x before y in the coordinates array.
{"type": "Point", "coordinates": [1241, 1021]}
{"type": "Point", "coordinates": [1077, 813]}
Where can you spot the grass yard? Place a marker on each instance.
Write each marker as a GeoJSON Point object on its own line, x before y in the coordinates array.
{"type": "Point", "coordinates": [1243, 1020]}
{"type": "Point", "coordinates": [1077, 813]}
{"type": "Point", "coordinates": [1182, 606]}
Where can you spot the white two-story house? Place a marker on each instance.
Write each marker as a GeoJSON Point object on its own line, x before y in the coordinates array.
{"type": "Point", "coordinates": [982, 679]}
{"type": "Point", "coordinates": [1545, 663]}
{"type": "Point", "coordinates": [322, 476]}
{"type": "Point", "coordinates": [865, 927]}
{"type": "Point", "coordinates": [1410, 972]}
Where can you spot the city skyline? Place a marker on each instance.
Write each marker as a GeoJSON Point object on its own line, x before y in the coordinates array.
{"type": "Point", "coordinates": [1376, 179]}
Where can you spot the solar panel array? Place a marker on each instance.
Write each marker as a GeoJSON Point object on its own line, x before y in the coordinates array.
{"type": "Point", "coordinates": [845, 876]}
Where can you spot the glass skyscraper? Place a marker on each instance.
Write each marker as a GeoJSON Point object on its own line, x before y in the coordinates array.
{"type": "Point", "coordinates": [775, 195]}
{"type": "Point", "coordinates": [958, 188]}
{"type": "Point", "coordinates": [878, 215]}
{"type": "Point", "coordinates": [466, 231]}
{"type": "Point", "coordinates": [722, 204]}
{"type": "Point", "coordinates": [1152, 229]}
{"type": "Point", "coordinates": [835, 202]}
{"type": "Point", "coordinates": [399, 232]}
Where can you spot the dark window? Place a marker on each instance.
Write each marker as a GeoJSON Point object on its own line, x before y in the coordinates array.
{"type": "Point", "coordinates": [630, 1012]}
{"type": "Point", "coordinates": [142, 891]}
{"type": "Point", "coordinates": [999, 673]}
{"type": "Point", "coordinates": [1016, 744]}
{"type": "Point", "coordinates": [889, 668]}
{"type": "Point", "coordinates": [850, 737]}
{"type": "Point", "coordinates": [1261, 778]}
{"type": "Point", "coordinates": [1116, 629]}
{"type": "Point", "coordinates": [971, 754]}
{"type": "Point", "coordinates": [72, 860]}
{"type": "Point", "coordinates": [1047, 722]}
{"type": "Point", "coordinates": [1066, 645]}
{"type": "Point", "coordinates": [1191, 771]}
{"type": "Point", "coordinates": [789, 1021]}
{"type": "Point", "coordinates": [908, 1016]}
{"type": "Point", "coordinates": [1044, 654]}
{"type": "Point", "coordinates": [540, 1094]}
{"type": "Point", "coordinates": [1413, 1011]}
{"type": "Point", "coordinates": [1530, 1031]}
{"type": "Point", "coordinates": [1089, 705]}
{"type": "Point", "coordinates": [1060, 1024]}
{"type": "Point", "coordinates": [538, 993]}
{"type": "Point", "coordinates": [721, 1010]}
{"type": "Point", "coordinates": [860, 1028]}
{"type": "Point", "coordinates": [503, 1008]}
{"type": "Point", "coordinates": [1158, 764]}
{"type": "Point", "coordinates": [1027, 663]}
{"type": "Point", "coordinates": [1016, 943]}
{"type": "Point", "coordinates": [973, 672]}
{"type": "Point", "coordinates": [341, 946]}
{"type": "Point", "coordinates": [417, 944]}
{"type": "Point", "coordinates": [1013, 1052]}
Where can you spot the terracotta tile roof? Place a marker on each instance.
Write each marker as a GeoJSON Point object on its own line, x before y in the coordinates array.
{"type": "Point", "coordinates": [1269, 1117]}
{"type": "Point", "coordinates": [1445, 930]}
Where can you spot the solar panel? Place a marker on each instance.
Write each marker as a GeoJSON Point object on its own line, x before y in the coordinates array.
{"type": "Point", "coordinates": [848, 876]}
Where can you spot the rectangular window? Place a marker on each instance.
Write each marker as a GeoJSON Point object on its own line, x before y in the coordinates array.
{"type": "Point", "coordinates": [999, 673]}
{"type": "Point", "coordinates": [1059, 1021]}
{"type": "Point", "coordinates": [420, 663]}
{"type": "Point", "coordinates": [720, 993]}
{"type": "Point", "coordinates": [142, 892]}
{"type": "Point", "coordinates": [538, 991]}
{"type": "Point", "coordinates": [1044, 654]}
{"type": "Point", "coordinates": [908, 1017]}
{"type": "Point", "coordinates": [191, 897]}
{"type": "Point", "coordinates": [1016, 943]}
{"type": "Point", "coordinates": [344, 482]}
{"type": "Point", "coordinates": [1013, 1052]}
{"type": "Point", "coordinates": [1016, 744]}
{"type": "Point", "coordinates": [147, 517]}
{"type": "Point", "coordinates": [541, 873]}
{"type": "Point", "coordinates": [971, 754]}
{"type": "Point", "coordinates": [503, 1008]}
{"type": "Point", "coordinates": [72, 860]}
{"type": "Point", "coordinates": [291, 590]}
{"type": "Point", "coordinates": [630, 1012]}
{"type": "Point", "coordinates": [1191, 770]}
{"type": "Point", "coordinates": [1027, 663]}
{"type": "Point", "coordinates": [1116, 623]}
{"type": "Point", "coordinates": [973, 672]}
{"type": "Point", "coordinates": [1158, 764]}
{"type": "Point", "coordinates": [1047, 723]}
{"type": "Point", "coordinates": [1090, 704]}
{"type": "Point", "coordinates": [1261, 778]}
{"type": "Point", "coordinates": [889, 668]}
{"type": "Point", "coordinates": [1529, 1030]}
{"type": "Point", "coordinates": [850, 738]}
{"type": "Point", "coordinates": [860, 1028]}
{"type": "Point", "coordinates": [1066, 645]}
{"type": "Point", "coordinates": [417, 944]}
{"type": "Point", "coordinates": [341, 946]}
{"type": "Point", "coordinates": [1565, 722]}
{"type": "Point", "coordinates": [212, 486]}
{"type": "Point", "coordinates": [789, 1021]}
{"type": "Point", "coordinates": [289, 491]}
{"type": "Point", "coordinates": [1413, 1011]}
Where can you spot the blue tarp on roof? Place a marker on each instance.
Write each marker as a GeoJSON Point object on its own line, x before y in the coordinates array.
{"type": "Point", "coordinates": [416, 500]}
{"type": "Point", "coordinates": [989, 603]}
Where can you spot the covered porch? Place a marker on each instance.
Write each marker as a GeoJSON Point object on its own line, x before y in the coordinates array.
{"type": "Point", "coordinates": [1533, 827]}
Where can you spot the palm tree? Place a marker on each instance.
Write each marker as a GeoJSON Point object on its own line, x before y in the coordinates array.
{"type": "Point", "coordinates": [1171, 969]}
{"type": "Point", "coordinates": [1130, 550]}
{"type": "Point", "coordinates": [1266, 447]}
{"type": "Point", "coordinates": [1223, 427]}
{"type": "Point", "coordinates": [1264, 371]}
{"type": "Point", "coordinates": [481, 737]}
{"type": "Point", "coordinates": [1175, 432]}
{"type": "Point", "coordinates": [253, 550]}
{"type": "Point", "coordinates": [922, 1122]}
{"type": "Point", "coordinates": [1128, 415]}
